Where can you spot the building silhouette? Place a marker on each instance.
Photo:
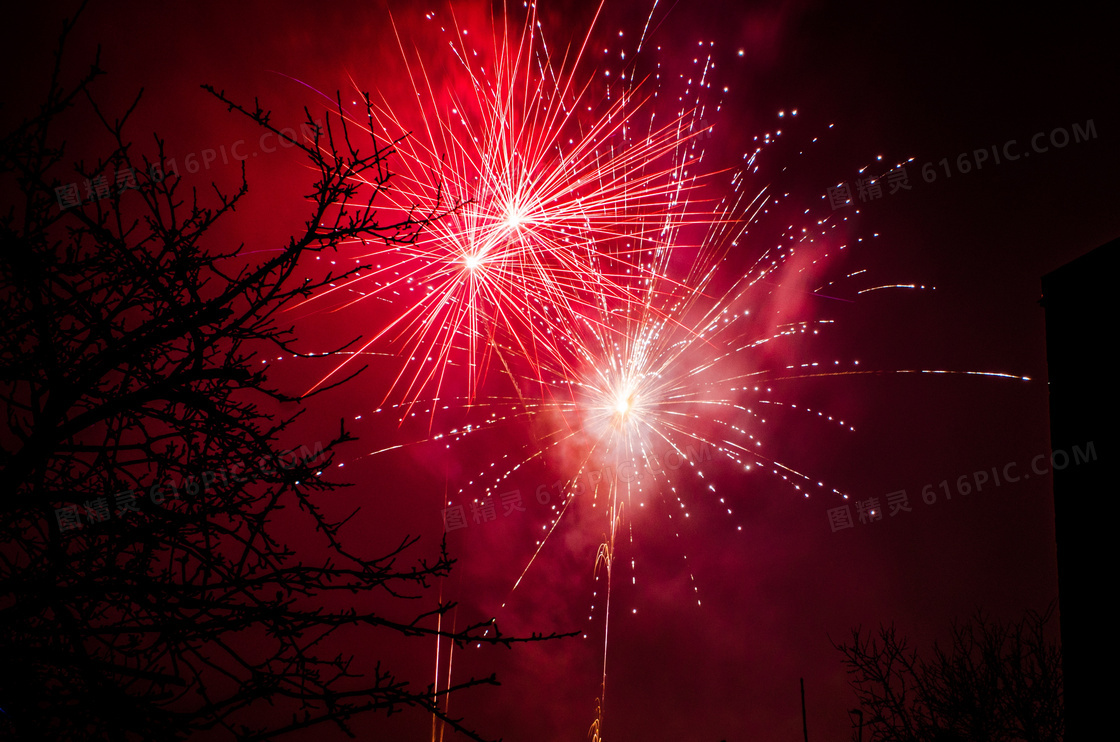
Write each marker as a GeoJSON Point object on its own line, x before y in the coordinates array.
{"type": "Point", "coordinates": [1080, 302]}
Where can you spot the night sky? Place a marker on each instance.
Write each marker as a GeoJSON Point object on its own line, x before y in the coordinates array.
{"type": "Point", "coordinates": [867, 80]}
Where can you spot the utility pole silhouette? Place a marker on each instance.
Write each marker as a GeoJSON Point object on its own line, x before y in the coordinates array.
{"type": "Point", "coordinates": [804, 722]}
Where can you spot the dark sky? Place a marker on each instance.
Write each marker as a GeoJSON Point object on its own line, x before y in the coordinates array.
{"type": "Point", "coordinates": [891, 81]}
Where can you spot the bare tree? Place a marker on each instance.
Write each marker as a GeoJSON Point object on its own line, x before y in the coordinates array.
{"type": "Point", "coordinates": [144, 593]}
{"type": "Point", "coordinates": [997, 682]}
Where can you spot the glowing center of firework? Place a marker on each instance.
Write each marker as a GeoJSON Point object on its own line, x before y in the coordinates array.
{"type": "Point", "coordinates": [623, 404]}
{"type": "Point", "coordinates": [514, 216]}
{"type": "Point", "coordinates": [472, 261]}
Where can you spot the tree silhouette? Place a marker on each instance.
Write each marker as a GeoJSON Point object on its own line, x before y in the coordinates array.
{"type": "Point", "coordinates": [145, 592]}
{"type": "Point", "coordinates": [997, 682]}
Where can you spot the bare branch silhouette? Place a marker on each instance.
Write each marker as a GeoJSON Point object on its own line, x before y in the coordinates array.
{"type": "Point", "coordinates": [144, 590]}
{"type": "Point", "coordinates": [997, 682]}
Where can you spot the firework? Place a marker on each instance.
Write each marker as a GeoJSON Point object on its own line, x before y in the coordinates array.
{"type": "Point", "coordinates": [580, 255]}
{"type": "Point", "coordinates": [669, 364]}
{"type": "Point", "coordinates": [551, 184]}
